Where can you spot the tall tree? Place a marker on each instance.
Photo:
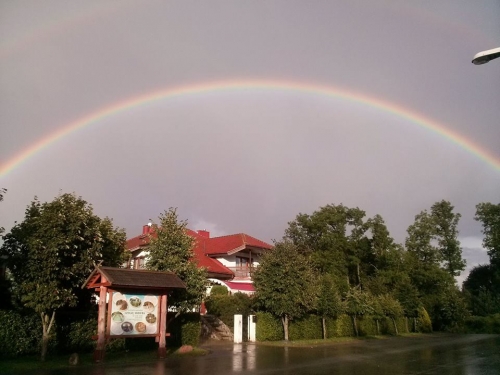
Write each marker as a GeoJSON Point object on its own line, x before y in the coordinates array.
{"type": "Point", "coordinates": [358, 303]}
{"type": "Point", "coordinates": [419, 240]}
{"type": "Point", "coordinates": [482, 289]}
{"type": "Point", "coordinates": [52, 252]}
{"type": "Point", "coordinates": [433, 238]}
{"type": "Point", "coordinates": [329, 304]}
{"type": "Point", "coordinates": [446, 234]}
{"type": "Point", "coordinates": [334, 238]}
{"type": "Point", "coordinates": [2, 192]}
{"type": "Point", "coordinates": [171, 249]}
{"type": "Point", "coordinates": [489, 216]}
{"type": "Point", "coordinates": [285, 284]}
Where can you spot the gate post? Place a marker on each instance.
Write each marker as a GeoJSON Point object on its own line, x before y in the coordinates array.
{"type": "Point", "coordinates": [252, 319]}
{"type": "Point", "coordinates": [238, 329]}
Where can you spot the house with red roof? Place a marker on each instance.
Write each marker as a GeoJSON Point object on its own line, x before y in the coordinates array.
{"type": "Point", "coordinates": [229, 260]}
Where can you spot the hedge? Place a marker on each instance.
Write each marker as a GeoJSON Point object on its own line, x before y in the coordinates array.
{"type": "Point", "coordinates": [20, 334]}
{"type": "Point", "coordinates": [185, 330]}
{"type": "Point", "coordinates": [268, 327]}
{"type": "Point", "coordinates": [225, 307]}
{"type": "Point", "coordinates": [483, 324]}
{"type": "Point", "coordinates": [307, 328]}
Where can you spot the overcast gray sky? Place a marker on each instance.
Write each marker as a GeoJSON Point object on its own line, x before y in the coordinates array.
{"type": "Point", "coordinates": [249, 159]}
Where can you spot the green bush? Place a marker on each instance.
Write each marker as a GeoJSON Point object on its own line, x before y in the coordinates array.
{"type": "Point", "coordinates": [225, 307]}
{"type": "Point", "coordinates": [307, 328]}
{"type": "Point", "coordinates": [367, 326]}
{"type": "Point", "coordinates": [424, 324]}
{"type": "Point", "coordinates": [185, 330]}
{"type": "Point", "coordinates": [219, 290]}
{"type": "Point", "coordinates": [268, 328]}
{"type": "Point", "coordinates": [20, 334]}
{"type": "Point", "coordinates": [80, 335]}
{"type": "Point", "coordinates": [483, 324]}
{"type": "Point", "coordinates": [340, 327]}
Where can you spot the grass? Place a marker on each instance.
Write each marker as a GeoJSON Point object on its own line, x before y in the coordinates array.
{"type": "Point", "coordinates": [334, 340]}
{"type": "Point", "coordinates": [61, 362]}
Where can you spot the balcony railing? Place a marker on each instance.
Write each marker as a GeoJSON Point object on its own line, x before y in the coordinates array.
{"type": "Point", "coordinates": [243, 271]}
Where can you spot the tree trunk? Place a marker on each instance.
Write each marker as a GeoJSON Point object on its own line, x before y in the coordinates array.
{"type": "Point", "coordinates": [355, 325]}
{"type": "Point", "coordinates": [323, 321]}
{"type": "Point", "coordinates": [378, 329]}
{"type": "Point", "coordinates": [358, 275]}
{"type": "Point", "coordinates": [395, 326]}
{"type": "Point", "coordinates": [46, 326]}
{"type": "Point", "coordinates": [406, 325]}
{"type": "Point", "coordinates": [284, 319]}
{"type": "Point", "coordinates": [414, 324]}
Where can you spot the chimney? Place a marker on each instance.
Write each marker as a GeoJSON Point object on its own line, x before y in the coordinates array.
{"type": "Point", "coordinates": [204, 233]}
{"type": "Point", "coordinates": [146, 229]}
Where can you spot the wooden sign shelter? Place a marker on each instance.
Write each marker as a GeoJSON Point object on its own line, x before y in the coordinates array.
{"type": "Point", "coordinates": [136, 304]}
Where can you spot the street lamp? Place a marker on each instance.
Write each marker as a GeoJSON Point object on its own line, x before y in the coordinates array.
{"type": "Point", "coordinates": [485, 56]}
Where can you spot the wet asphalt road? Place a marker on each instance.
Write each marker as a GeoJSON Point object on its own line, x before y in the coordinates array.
{"type": "Point", "coordinates": [435, 354]}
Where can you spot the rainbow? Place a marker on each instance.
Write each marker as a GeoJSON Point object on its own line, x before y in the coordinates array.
{"type": "Point", "coordinates": [269, 85]}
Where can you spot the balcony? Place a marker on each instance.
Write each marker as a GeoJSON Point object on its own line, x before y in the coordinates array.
{"type": "Point", "coordinates": [242, 272]}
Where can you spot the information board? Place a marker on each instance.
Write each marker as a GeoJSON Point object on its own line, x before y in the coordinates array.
{"type": "Point", "coordinates": [134, 314]}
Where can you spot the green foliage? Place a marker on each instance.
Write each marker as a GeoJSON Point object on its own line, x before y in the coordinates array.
{"type": "Point", "coordinates": [450, 311]}
{"type": "Point", "coordinates": [328, 303]}
{"type": "Point", "coordinates": [446, 234]}
{"type": "Point", "coordinates": [483, 324]}
{"type": "Point", "coordinates": [225, 306]}
{"type": "Point", "coordinates": [171, 249]}
{"type": "Point", "coordinates": [489, 216]}
{"type": "Point", "coordinates": [2, 192]}
{"type": "Point", "coordinates": [52, 251]}
{"type": "Point", "coordinates": [268, 327]}
{"type": "Point", "coordinates": [340, 327]}
{"type": "Point", "coordinates": [79, 335]}
{"type": "Point", "coordinates": [219, 290]}
{"type": "Point", "coordinates": [358, 303]}
{"type": "Point", "coordinates": [185, 329]}
{"type": "Point", "coordinates": [306, 328]}
{"type": "Point", "coordinates": [20, 334]}
{"type": "Point", "coordinates": [283, 283]}
{"type": "Point", "coordinates": [482, 290]}
{"type": "Point", "coordinates": [367, 326]}
{"type": "Point", "coordinates": [424, 324]}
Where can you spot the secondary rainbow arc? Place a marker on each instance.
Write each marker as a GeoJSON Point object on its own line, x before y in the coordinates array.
{"type": "Point", "coordinates": [218, 86]}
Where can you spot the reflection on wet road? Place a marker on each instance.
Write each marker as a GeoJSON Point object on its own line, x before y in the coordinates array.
{"type": "Point", "coordinates": [436, 354]}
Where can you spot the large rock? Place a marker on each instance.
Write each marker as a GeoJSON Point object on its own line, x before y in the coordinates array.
{"type": "Point", "coordinates": [185, 349]}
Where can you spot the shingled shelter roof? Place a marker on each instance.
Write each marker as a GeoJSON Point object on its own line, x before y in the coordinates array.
{"type": "Point", "coordinates": [129, 278]}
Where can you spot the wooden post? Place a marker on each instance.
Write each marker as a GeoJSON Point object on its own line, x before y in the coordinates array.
{"type": "Point", "coordinates": [101, 326]}
{"type": "Point", "coordinates": [162, 350]}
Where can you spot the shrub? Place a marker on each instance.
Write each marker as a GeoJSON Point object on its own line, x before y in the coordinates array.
{"type": "Point", "coordinates": [225, 307]}
{"type": "Point", "coordinates": [367, 326]}
{"type": "Point", "coordinates": [269, 328]}
{"type": "Point", "coordinates": [424, 324]}
{"type": "Point", "coordinates": [306, 328]}
{"type": "Point", "coordinates": [219, 290]}
{"type": "Point", "coordinates": [340, 327]}
{"type": "Point", "coordinates": [483, 324]}
{"type": "Point", "coordinates": [185, 330]}
{"type": "Point", "coordinates": [80, 335]}
{"type": "Point", "coordinates": [20, 334]}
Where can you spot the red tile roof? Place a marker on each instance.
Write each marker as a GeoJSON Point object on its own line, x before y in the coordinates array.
{"type": "Point", "coordinates": [232, 243]}
{"type": "Point", "coordinates": [204, 247]}
{"type": "Point", "coordinates": [248, 287]}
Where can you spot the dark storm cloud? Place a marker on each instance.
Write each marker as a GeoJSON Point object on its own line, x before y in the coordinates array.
{"type": "Point", "coordinates": [248, 160]}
